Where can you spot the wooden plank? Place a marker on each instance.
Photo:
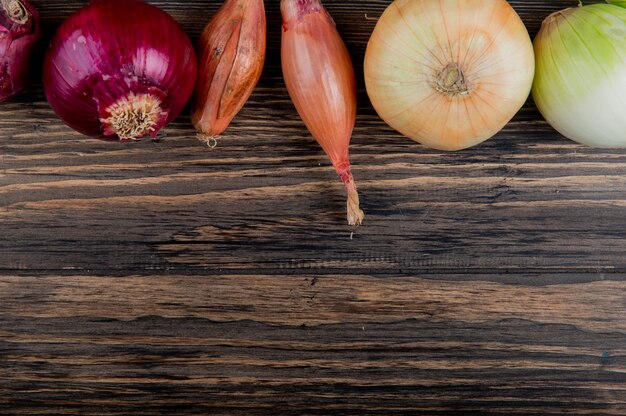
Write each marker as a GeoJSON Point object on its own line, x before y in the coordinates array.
{"type": "Point", "coordinates": [115, 210]}
{"type": "Point", "coordinates": [309, 345]}
{"type": "Point", "coordinates": [153, 365]}
{"type": "Point", "coordinates": [315, 300]}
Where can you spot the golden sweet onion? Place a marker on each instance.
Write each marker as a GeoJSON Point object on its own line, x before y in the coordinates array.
{"type": "Point", "coordinates": [449, 74]}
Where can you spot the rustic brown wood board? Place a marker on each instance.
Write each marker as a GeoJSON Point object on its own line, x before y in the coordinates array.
{"type": "Point", "coordinates": [160, 278]}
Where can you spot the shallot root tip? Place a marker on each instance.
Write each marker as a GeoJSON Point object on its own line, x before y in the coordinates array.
{"type": "Point", "coordinates": [210, 141]}
{"type": "Point", "coordinates": [355, 214]}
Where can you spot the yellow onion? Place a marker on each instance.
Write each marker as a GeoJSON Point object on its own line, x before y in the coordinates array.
{"type": "Point", "coordinates": [449, 74]}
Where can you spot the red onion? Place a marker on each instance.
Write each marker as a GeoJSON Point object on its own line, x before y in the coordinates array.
{"type": "Point", "coordinates": [19, 32]}
{"type": "Point", "coordinates": [119, 69]}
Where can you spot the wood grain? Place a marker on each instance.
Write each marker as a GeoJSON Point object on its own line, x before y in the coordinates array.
{"type": "Point", "coordinates": [161, 278]}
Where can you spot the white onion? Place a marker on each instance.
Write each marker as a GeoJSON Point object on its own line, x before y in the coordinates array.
{"type": "Point", "coordinates": [580, 84]}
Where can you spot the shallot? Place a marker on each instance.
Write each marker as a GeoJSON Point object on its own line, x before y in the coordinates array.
{"type": "Point", "coordinates": [320, 79]}
{"type": "Point", "coordinates": [230, 56]}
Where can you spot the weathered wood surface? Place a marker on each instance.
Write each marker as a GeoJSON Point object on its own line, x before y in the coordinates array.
{"type": "Point", "coordinates": [167, 278]}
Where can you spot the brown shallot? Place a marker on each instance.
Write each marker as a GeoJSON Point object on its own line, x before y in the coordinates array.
{"type": "Point", "coordinates": [231, 55]}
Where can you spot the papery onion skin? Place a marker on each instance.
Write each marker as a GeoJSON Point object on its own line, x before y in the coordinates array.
{"type": "Point", "coordinates": [320, 79]}
{"type": "Point", "coordinates": [449, 74]}
{"type": "Point", "coordinates": [20, 30]}
{"type": "Point", "coordinates": [580, 85]}
{"type": "Point", "coordinates": [119, 69]}
{"type": "Point", "coordinates": [231, 55]}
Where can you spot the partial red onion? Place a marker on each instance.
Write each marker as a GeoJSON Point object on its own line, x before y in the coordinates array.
{"type": "Point", "coordinates": [119, 69]}
{"type": "Point", "coordinates": [19, 32]}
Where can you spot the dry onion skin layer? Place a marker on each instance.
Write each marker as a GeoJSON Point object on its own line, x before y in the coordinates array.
{"type": "Point", "coordinates": [19, 32]}
{"type": "Point", "coordinates": [580, 86]}
{"type": "Point", "coordinates": [449, 74]}
{"type": "Point", "coordinates": [119, 70]}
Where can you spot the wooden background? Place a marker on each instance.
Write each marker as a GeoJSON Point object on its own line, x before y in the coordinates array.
{"type": "Point", "coordinates": [166, 278]}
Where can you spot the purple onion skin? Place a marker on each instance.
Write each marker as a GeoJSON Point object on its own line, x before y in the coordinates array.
{"type": "Point", "coordinates": [19, 32]}
{"type": "Point", "coordinates": [109, 59]}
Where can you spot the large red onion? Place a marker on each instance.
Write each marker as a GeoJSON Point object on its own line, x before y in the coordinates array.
{"type": "Point", "coordinates": [19, 32]}
{"type": "Point", "coordinates": [119, 69]}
